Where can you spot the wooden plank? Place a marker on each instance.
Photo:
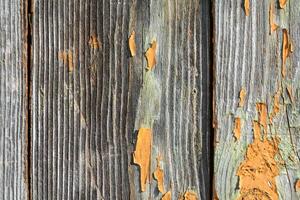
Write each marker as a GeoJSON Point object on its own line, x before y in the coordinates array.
{"type": "Point", "coordinates": [263, 163]}
{"type": "Point", "coordinates": [88, 101]}
{"type": "Point", "coordinates": [13, 101]}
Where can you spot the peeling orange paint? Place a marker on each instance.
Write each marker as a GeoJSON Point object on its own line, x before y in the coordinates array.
{"type": "Point", "coordinates": [282, 3]}
{"type": "Point", "coordinates": [93, 42]}
{"type": "Point", "coordinates": [242, 97]}
{"type": "Point", "coordinates": [67, 58]}
{"type": "Point", "coordinates": [258, 171]}
{"type": "Point", "coordinates": [159, 175]}
{"type": "Point", "coordinates": [237, 128]}
{"type": "Point", "coordinates": [167, 196]}
{"type": "Point", "coordinates": [285, 50]}
{"type": "Point", "coordinates": [297, 185]}
{"type": "Point", "coordinates": [247, 7]}
{"type": "Point", "coordinates": [132, 46]}
{"type": "Point", "coordinates": [273, 25]}
{"type": "Point", "coordinates": [142, 155]}
{"type": "Point", "coordinates": [189, 195]}
{"type": "Point", "coordinates": [151, 55]}
{"type": "Point", "coordinates": [276, 106]}
{"type": "Point", "coordinates": [290, 92]}
{"type": "Point", "coordinates": [263, 116]}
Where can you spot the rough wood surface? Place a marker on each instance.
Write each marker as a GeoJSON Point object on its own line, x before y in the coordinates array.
{"type": "Point", "coordinates": [249, 55]}
{"type": "Point", "coordinates": [13, 101]}
{"type": "Point", "coordinates": [89, 100]}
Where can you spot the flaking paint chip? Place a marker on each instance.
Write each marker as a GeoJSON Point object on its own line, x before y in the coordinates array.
{"type": "Point", "coordinates": [273, 25]}
{"type": "Point", "coordinates": [189, 195]}
{"type": "Point", "coordinates": [131, 42]}
{"type": "Point", "coordinates": [242, 97]}
{"type": "Point", "coordinates": [167, 196]}
{"type": "Point", "coordinates": [247, 7]}
{"type": "Point", "coordinates": [142, 155]}
{"type": "Point", "coordinates": [67, 58]}
{"type": "Point", "coordinates": [282, 3]}
{"type": "Point", "coordinates": [263, 116]}
{"type": "Point", "coordinates": [93, 42]}
{"type": "Point", "coordinates": [237, 128]}
{"type": "Point", "coordinates": [297, 185]}
{"type": "Point", "coordinates": [287, 48]}
{"type": "Point", "coordinates": [159, 176]}
{"type": "Point", "coordinates": [276, 105]}
{"type": "Point", "coordinates": [151, 55]}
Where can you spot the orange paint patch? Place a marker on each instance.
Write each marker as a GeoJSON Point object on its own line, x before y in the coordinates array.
{"type": "Point", "coordinates": [247, 7]}
{"type": "Point", "coordinates": [167, 196]}
{"type": "Point", "coordinates": [67, 58]}
{"type": "Point", "coordinates": [151, 55]}
{"type": "Point", "coordinates": [297, 185]}
{"type": "Point", "coordinates": [273, 26]}
{"type": "Point", "coordinates": [263, 116]}
{"type": "Point", "coordinates": [276, 105]}
{"type": "Point", "coordinates": [93, 42]}
{"type": "Point", "coordinates": [142, 155]}
{"type": "Point", "coordinates": [242, 97]}
{"type": "Point", "coordinates": [159, 176]}
{"type": "Point", "coordinates": [189, 195]}
{"type": "Point", "coordinates": [237, 128]}
{"type": "Point", "coordinates": [286, 49]}
{"type": "Point", "coordinates": [290, 92]}
{"type": "Point", "coordinates": [282, 3]}
{"type": "Point", "coordinates": [132, 46]}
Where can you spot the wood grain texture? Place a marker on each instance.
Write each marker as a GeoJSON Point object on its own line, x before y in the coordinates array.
{"type": "Point", "coordinates": [85, 117]}
{"type": "Point", "coordinates": [247, 56]}
{"type": "Point", "coordinates": [13, 101]}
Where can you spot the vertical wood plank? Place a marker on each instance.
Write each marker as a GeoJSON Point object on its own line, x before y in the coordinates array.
{"type": "Point", "coordinates": [249, 55]}
{"type": "Point", "coordinates": [13, 100]}
{"type": "Point", "coordinates": [88, 101]}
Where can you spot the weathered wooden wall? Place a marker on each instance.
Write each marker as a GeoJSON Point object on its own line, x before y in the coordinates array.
{"type": "Point", "coordinates": [13, 101]}
{"type": "Point", "coordinates": [248, 55]}
{"type": "Point", "coordinates": [88, 101]}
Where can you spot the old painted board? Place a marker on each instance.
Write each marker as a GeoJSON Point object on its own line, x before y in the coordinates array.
{"type": "Point", "coordinates": [260, 53]}
{"type": "Point", "coordinates": [91, 95]}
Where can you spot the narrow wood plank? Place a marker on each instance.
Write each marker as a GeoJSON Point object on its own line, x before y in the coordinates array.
{"type": "Point", "coordinates": [249, 55]}
{"type": "Point", "coordinates": [13, 101]}
{"type": "Point", "coordinates": [88, 101]}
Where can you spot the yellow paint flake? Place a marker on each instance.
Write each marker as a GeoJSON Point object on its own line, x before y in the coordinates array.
{"type": "Point", "coordinates": [242, 97]}
{"type": "Point", "coordinates": [282, 3]}
{"type": "Point", "coordinates": [276, 106]}
{"type": "Point", "coordinates": [159, 176]}
{"type": "Point", "coordinates": [67, 58]}
{"type": "Point", "coordinates": [247, 7]}
{"type": "Point", "coordinates": [151, 55]}
{"type": "Point", "coordinates": [297, 185]}
{"type": "Point", "coordinates": [237, 128]}
{"type": "Point", "coordinates": [93, 42]}
{"type": "Point", "coordinates": [273, 25]}
{"type": "Point", "coordinates": [142, 155]}
{"type": "Point", "coordinates": [167, 196]}
{"type": "Point", "coordinates": [132, 46]}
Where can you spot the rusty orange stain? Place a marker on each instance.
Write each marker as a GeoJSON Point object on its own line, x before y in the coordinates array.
{"type": "Point", "coordinates": [285, 50]}
{"type": "Point", "coordinates": [276, 105]}
{"type": "Point", "coordinates": [263, 116]}
{"type": "Point", "coordinates": [247, 7]}
{"type": "Point", "coordinates": [151, 55]}
{"type": "Point", "coordinates": [297, 185]}
{"type": "Point", "coordinates": [273, 25]}
{"type": "Point", "coordinates": [67, 58]}
{"type": "Point", "coordinates": [142, 155]}
{"type": "Point", "coordinates": [167, 196]}
{"type": "Point", "coordinates": [93, 42]}
{"type": "Point", "coordinates": [237, 128]}
{"type": "Point", "coordinates": [242, 97]}
{"type": "Point", "coordinates": [282, 3]}
{"type": "Point", "coordinates": [131, 42]}
{"type": "Point", "coordinates": [189, 195]}
{"type": "Point", "coordinates": [159, 175]}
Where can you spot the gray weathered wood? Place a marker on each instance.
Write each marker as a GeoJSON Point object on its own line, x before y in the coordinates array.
{"type": "Point", "coordinates": [13, 101]}
{"type": "Point", "coordinates": [247, 56]}
{"type": "Point", "coordinates": [85, 116]}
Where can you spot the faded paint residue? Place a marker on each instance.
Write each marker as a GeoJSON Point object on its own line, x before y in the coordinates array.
{"type": "Point", "coordinates": [93, 42]}
{"type": "Point", "coordinates": [151, 55]}
{"type": "Point", "coordinates": [142, 155]}
{"type": "Point", "coordinates": [258, 171]}
{"type": "Point", "coordinates": [276, 106]}
{"type": "Point", "coordinates": [263, 116]}
{"type": "Point", "coordinates": [242, 97]}
{"type": "Point", "coordinates": [132, 46]}
{"type": "Point", "coordinates": [247, 7]}
{"type": "Point", "coordinates": [237, 128]}
{"type": "Point", "coordinates": [159, 176]}
{"type": "Point", "coordinates": [67, 58]}
{"type": "Point", "coordinates": [290, 92]}
{"type": "Point", "coordinates": [189, 195]}
{"type": "Point", "coordinates": [167, 196]}
{"type": "Point", "coordinates": [297, 185]}
{"type": "Point", "coordinates": [273, 25]}
{"type": "Point", "coordinates": [285, 51]}
{"type": "Point", "coordinates": [282, 3]}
